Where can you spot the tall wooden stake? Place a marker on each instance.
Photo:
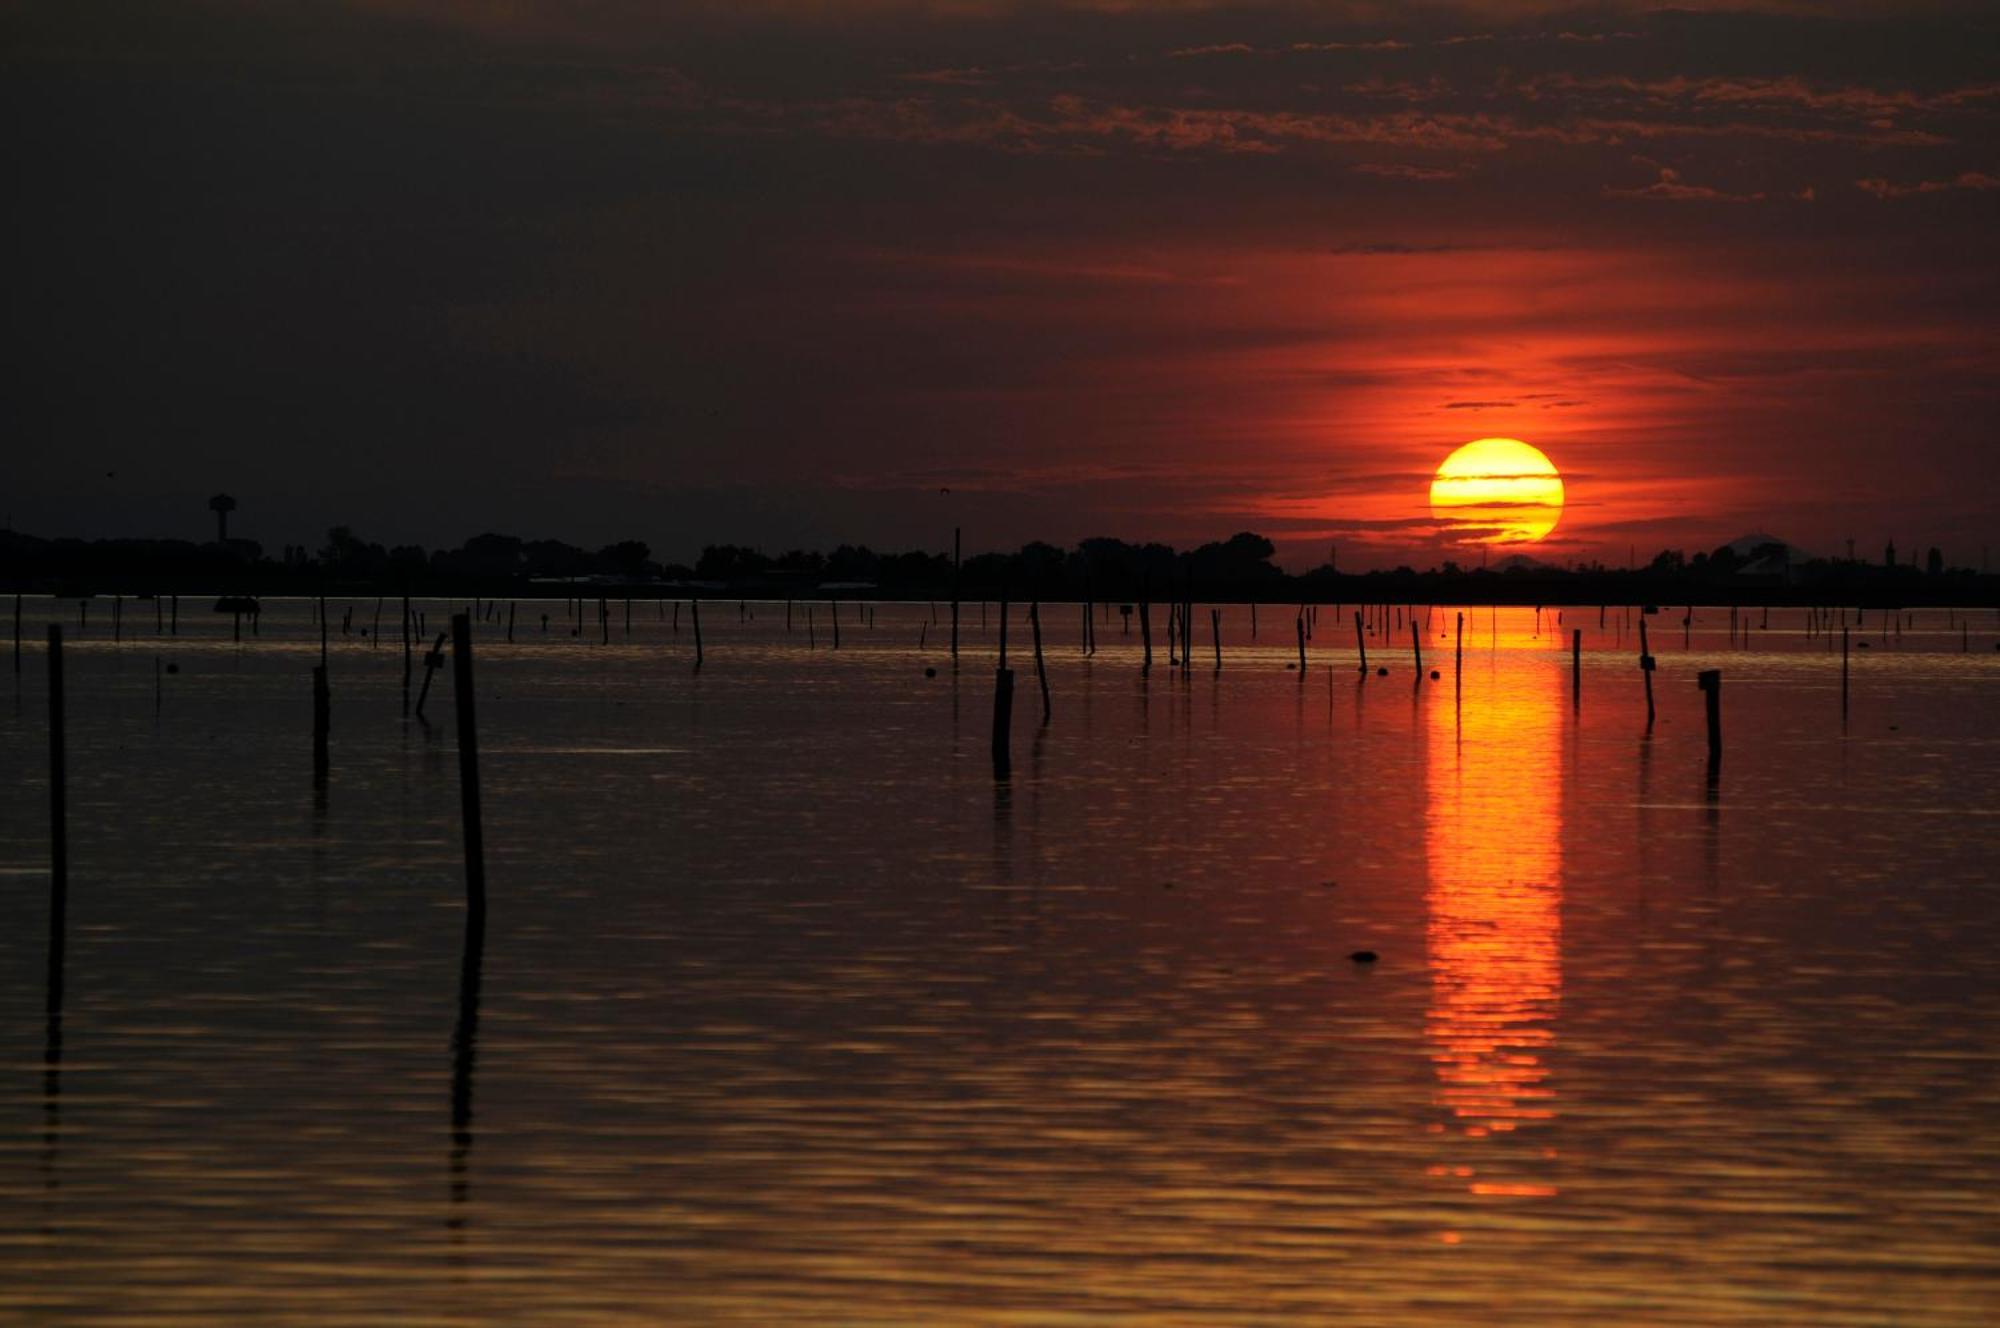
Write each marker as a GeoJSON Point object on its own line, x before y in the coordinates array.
{"type": "Point", "coordinates": [322, 722]}
{"type": "Point", "coordinates": [1710, 682]}
{"type": "Point", "coordinates": [58, 777]}
{"type": "Point", "coordinates": [1458, 659]}
{"type": "Point", "coordinates": [1003, 706]}
{"type": "Point", "coordinates": [406, 657]}
{"type": "Point", "coordinates": [1041, 672]}
{"type": "Point", "coordinates": [956, 532]}
{"type": "Point", "coordinates": [1843, 672]}
{"type": "Point", "coordinates": [432, 663]}
{"type": "Point", "coordinates": [1576, 668]}
{"type": "Point", "coordinates": [468, 764]}
{"type": "Point", "coordinates": [1646, 671]}
{"type": "Point", "coordinates": [1146, 625]}
{"type": "Point", "coordinates": [1361, 642]}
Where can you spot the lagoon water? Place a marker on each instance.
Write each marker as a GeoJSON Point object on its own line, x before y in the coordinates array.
{"type": "Point", "coordinates": [787, 1013]}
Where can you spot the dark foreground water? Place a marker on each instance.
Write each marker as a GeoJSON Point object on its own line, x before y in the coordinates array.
{"type": "Point", "coordinates": [786, 1012]}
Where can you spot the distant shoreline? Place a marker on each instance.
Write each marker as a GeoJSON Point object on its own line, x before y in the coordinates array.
{"type": "Point", "coordinates": [1381, 588]}
{"type": "Point", "coordinates": [1238, 570]}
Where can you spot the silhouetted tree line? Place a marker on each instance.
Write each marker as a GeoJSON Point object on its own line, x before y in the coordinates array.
{"type": "Point", "coordinates": [1238, 568]}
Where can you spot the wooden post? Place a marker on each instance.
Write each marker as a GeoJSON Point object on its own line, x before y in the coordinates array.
{"type": "Point", "coordinates": [1646, 670]}
{"type": "Point", "coordinates": [406, 656]}
{"type": "Point", "coordinates": [510, 622]}
{"type": "Point", "coordinates": [833, 616]}
{"type": "Point", "coordinates": [603, 621]}
{"type": "Point", "coordinates": [1417, 649]}
{"type": "Point", "coordinates": [432, 663]}
{"type": "Point", "coordinates": [1146, 625]}
{"type": "Point", "coordinates": [468, 764]}
{"type": "Point", "coordinates": [1576, 668]}
{"type": "Point", "coordinates": [1041, 672]}
{"type": "Point", "coordinates": [322, 721]}
{"type": "Point", "coordinates": [956, 532]}
{"type": "Point", "coordinates": [788, 615]}
{"type": "Point", "coordinates": [1215, 635]}
{"type": "Point", "coordinates": [1710, 682]}
{"type": "Point", "coordinates": [1361, 643]}
{"type": "Point", "coordinates": [1187, 625]}
{"type": "Point", "coordinates": [1458, 656]}
{"type": "Point", "coordinates": [1003, 705]}
{"type": "Point", "coordinates": [58, 778]}
{"type": "Point", "coordinates": [375, 631]}
{"type": "Point", "coordinates": [694, 616]}
{"type": "Point", "coordinates": [1299, 627]}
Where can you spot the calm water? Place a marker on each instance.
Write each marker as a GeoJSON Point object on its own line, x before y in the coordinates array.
{"type": "Point", "coordinates": [787, 1013]}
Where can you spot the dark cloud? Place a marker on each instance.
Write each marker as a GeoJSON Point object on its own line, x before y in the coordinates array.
{"type": "Point", "coordinates": [606, 269]}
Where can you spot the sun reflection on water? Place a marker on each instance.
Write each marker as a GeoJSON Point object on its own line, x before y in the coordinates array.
{"type": "Point", "coordinates": [1493, 830]}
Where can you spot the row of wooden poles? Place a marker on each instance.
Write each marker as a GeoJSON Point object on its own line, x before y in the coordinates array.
{"type": "Point", "coordinates": [472, 957]}
{"type": "Point", "coordinates": [1180, 647]}
{"type": "Point", "coordinates": [1180, 653]}
{"type": "Point", "coordinates": [465, 1029]}
{"type": "Point", "coordinates": [1709, 681]}
{"type": "Point", "coordinates": [468, 762]}
{"type": "Point", "coordinates": [1377, 622]}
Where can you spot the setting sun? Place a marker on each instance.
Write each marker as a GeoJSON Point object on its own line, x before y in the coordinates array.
{"type": "Point", "coordinates": [1497, 491]}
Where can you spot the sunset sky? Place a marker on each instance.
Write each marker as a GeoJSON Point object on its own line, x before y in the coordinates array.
{"type": "Point", "coordinates": [779, 273]}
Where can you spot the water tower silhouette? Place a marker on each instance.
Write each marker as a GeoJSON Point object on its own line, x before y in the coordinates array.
{"type": "Point", "coordinates": [222, 505]}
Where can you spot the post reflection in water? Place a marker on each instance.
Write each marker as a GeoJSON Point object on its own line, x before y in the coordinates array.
{"type": "Point", "coordinates": [1493, 829]}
